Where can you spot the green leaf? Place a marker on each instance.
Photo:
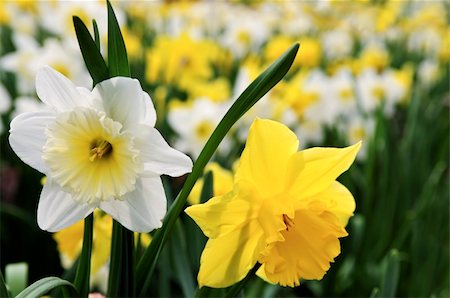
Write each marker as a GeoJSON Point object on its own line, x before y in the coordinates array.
{"type": "Point", "coordinates": [16, 276]}
{"type": "Point", "coordinates": [121, 270]}
{"type": "Point", "coordinates": [3, 289]}
{"type": "Point", "coordinates": [83, 274]}
{"type": "Point", "coordinates": [117, 53]}
{"type": "Point", "coordinates": [43, 286]}
{"type": "Point", "coordinates": [391, 275]}
{"type": "Point", "coordinates": [257, 89]}
{"type": "Point", "coordinates": [181, 265]}
{"type": "Point", "coordinates": [208, 187]}
{"type": "Point", "coordinates": [96, 34]}
{"type": "Point", "coordinates": [91, 54]}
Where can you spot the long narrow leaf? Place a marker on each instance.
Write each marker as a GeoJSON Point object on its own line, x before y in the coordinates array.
{"type": "Point", "coordinates": [91, 54]}
{"type": "Point", "coordinates": [257, 89]}
{"type": "Point", "coordinates": [117, 53]}
{"type": "Point", "coordinates": [45, 285]}
{"type": "Point", "coordinates": [82, 277]}
{"type": "Point", "coordinates": [16, 276]}
{"type": "Point", "coordinates": [3, 290]}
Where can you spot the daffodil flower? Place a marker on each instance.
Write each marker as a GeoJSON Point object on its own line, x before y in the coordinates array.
{"type": "Point", "coordinates": [286, 211]}
{"type": "Point", "coordinates": [98, 149]}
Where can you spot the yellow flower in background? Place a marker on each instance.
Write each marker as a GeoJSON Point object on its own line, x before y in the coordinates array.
{"type": "Point", "coordinates": [286, 211]}
{"type": "Point", "coordinates": [222, 182]}
{"type": "Point", "coordinates": [69, 241]}
{"type": "Point", "coordinates": [172, 60]}
{"type": "Point", "coordinates": [311, 52]}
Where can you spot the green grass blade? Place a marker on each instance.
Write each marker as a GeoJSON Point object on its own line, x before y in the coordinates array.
{"type": "Point", "coordinates": [117, 53]}
{"type": "Point", "coordinates": [45, 285]}
{"type": "Point", "coordinates": [82, 277]}
{"type": "Point", "coordinates": [257, 89]}
{"type": "Point", "coordinates": [391, 275]}
{"type": "Point", "coordinates": [91, 54]}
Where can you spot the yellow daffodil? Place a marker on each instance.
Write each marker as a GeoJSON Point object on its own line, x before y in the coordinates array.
{"type": "Point", "coordinates": [98, 149]}
{"type": "Point", "coordinates": [286, 211]}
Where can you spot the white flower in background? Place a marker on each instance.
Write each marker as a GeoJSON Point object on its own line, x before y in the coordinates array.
{"type": "Point", "coordinates": [19, 62]}
{"type": "Point", "coordinates": [375, 90]}
{"type": "Point", "coordinates": [425, 41]}
{"type": "Point", "coordinates": [98, 149]}
{"type": "Point", "coordinates": [359, 128]}
{"type": "Point", "coordinates": [194, 123]}
{"type": "Point", "coordinates": [323, 109]}
{"type": "Point", "coordinates": [29, 58]}
{"type": "Point", "coordinates": [428, 72]}
{"type": "Point", "coordinates": [245, 31]}
{"type": "Point", "coordinates": [5, 104]}
{"type": "Point", "coordinates": [62, 12]}
{"type": "Point", "coordinates": [296, 21]}
{"type": "Point", "coordinates": [310, 131]}
{"type": "Point", "coordinates": [337, 44]}
{"type": "Point", "coordinates": [5, 100]}
{"type": "Point", "coordinates": [342, 99]}
{"type": "Point", "coordinates": [25, 104]}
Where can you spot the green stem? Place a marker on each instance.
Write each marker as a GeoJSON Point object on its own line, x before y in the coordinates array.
{"type": "Point", "coordinates": [82, 275]}
{"type": "Point", "coordinates": [121, 271]}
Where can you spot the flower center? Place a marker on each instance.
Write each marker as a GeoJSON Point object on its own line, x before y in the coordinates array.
{"type": "Point", "coordinates": [90, 156]}
{"type": "Point", "coordinates": [288, 222]}
{"type": "Point", "coordinates": [99, 149]}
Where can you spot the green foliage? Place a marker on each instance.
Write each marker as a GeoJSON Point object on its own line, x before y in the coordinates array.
{"type": "Point", "coordinates": [45, 285]}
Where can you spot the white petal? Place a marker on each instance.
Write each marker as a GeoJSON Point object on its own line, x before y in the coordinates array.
{"type": "Point", "coordinates": [141, 210]}
{"type": "Point", "coordinates": [57, 210]}
{"type": "Point", "coordinates": [57, 91]}
{"type": "Point", "coordinates": [159, 157]}
{"type": "Point", "coordinates": [27, 137]}
{"type": "Point", "coordinates": [124, 101]}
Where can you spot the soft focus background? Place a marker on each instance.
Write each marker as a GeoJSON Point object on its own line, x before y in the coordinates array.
{"type": "Point", "coordinates": [373, 71]}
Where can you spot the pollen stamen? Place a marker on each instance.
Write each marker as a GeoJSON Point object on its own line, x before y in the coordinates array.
{"type": "Point", "coordinates": [288, 222]}
{"type": "Point", "coordinates": [101, 148]}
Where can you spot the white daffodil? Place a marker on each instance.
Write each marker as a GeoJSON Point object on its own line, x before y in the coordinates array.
{"type": "Point", "coordinates": [99, 149]}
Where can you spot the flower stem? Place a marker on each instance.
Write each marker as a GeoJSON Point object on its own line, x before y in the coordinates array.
{"type": "Point", "coordinates": [82, 275]}
{"type": "Point", "coordinates": [121, 272]}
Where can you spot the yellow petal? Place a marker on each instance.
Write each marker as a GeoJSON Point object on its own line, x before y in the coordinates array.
{"type": "Point", "coordinates": [321, 167]}
{"type": "Point", "coordinates": [223, 214]}
{"type": "Point", "coordinates": [265, 159]}
{"type": "Point", "coordinates": [309, 247]}
{"type": "Point", "coordinates": [338, 200]}
{"type": "Point", "coordinates": [227, 259]}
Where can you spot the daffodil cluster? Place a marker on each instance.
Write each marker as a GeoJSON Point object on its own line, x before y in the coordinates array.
{"type": "Point", "coordinates": [356, 59]}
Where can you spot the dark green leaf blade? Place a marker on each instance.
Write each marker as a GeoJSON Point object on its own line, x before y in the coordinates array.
{"type": "Point", "coordinates": [45, 285]}
{"type": "Point", "coordinates": [255, 91]}
{"type": "Point", "coordinates": [92, 57]}
{"type": "Point", "coordinates": [117, 53]}
{"type": "Point", "coordinates": [82, 277]}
